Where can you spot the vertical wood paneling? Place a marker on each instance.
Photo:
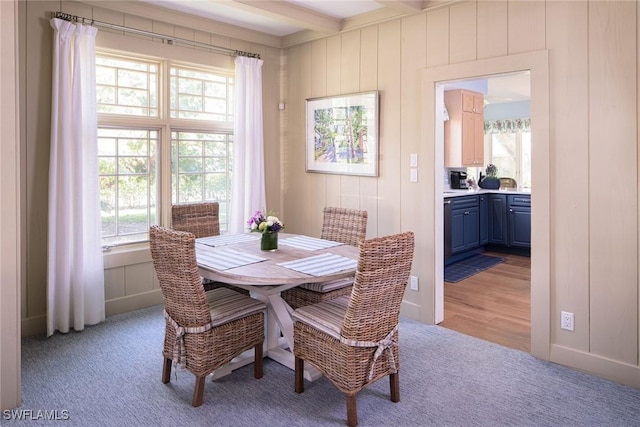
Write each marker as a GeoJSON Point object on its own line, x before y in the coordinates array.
{"type": "Point", "coordinates": [567, 26]}
{"type": "Point", "coordinates": [413, 58]}
{"type": "Point", "coordinates": [492, 29]}
{"type": "Point", "coordinates": [389, 78]}
{"type": "Point", "coordinates": [526, 26]}
{"type": "Point", "coordinates": [462, 32]}
{"type": "Point", "coordinates": [438, 37]}
{"type": "Point", "coordinates": [369, 40]}
{"type": "Point", "coordinates": [334, 87]}
{"type": "Point", "coordinates": [350, 83]}
{"type": "Point", "coordinates": [613, 147]}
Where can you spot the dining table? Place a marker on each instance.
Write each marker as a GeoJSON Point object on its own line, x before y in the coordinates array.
{"type": "Point", "coordinates": [237, 259]}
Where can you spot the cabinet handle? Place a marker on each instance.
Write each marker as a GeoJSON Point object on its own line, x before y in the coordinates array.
{"type": "Point", "coordinates": [447, 202]}
{"type": "Point", "coordinates": [466, 213]}
{"type": "Point", "coordinates": [511, 210]}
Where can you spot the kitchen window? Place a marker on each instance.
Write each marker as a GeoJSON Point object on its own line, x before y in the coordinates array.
{"type": "Point", "coordinates": [160, 147]}
{"type": "Point", "coordinates": [508, 146]}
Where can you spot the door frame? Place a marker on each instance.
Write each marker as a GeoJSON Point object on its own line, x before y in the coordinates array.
{"type": "Point", "coordinates": [432, 131]}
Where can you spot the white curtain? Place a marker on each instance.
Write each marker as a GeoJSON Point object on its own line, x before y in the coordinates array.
{"type": "Point", "coordinates": [75, 270]}
{"type": "Point", "coordinates": [248, 187]}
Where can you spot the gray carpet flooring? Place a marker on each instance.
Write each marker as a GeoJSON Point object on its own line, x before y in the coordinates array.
{"type": "Point", "coordinates": [109, 375]}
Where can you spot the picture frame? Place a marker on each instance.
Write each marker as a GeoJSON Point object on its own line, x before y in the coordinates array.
{"type": "Point", "coordinates": [342, 134]}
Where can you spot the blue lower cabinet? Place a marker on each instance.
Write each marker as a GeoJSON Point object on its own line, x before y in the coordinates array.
{"type": "Point", "coordinates": [484, 219]}
{"type": "Point", "coordinates": [498, 219]}
{"type": "Point", "coordinates": [465, 222]}
{"type": "Point", "coordinates": [520, 221]}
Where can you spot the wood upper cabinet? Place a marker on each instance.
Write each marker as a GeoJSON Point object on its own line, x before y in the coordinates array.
{"type": "Point", "coordinates": [464, 131]}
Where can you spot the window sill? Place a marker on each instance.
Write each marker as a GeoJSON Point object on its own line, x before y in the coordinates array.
{"type": "Point", "coordinates": [127, 255]}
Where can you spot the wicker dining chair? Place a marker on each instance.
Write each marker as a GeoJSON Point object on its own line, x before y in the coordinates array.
{"type": "Point", "coordinates": [353, 340]}
{"type": "Point", "coordinates": [203, 331]}
{"type": "Point", "coordinates": [203, 220]}
{"type": "Point", "coordinates": [348, 226]}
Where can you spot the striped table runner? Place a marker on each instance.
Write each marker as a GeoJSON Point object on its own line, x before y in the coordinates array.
{"type": "Point", "coordinates": [309, 243]}
{"type": "Point", "coordinates": [321, 265]}
{"type": "Point", "coordinates": [230, 258]}
{"type": "Point", "coordinates": [227, 239]}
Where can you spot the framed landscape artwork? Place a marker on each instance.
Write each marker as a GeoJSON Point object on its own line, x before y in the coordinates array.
{"type": "Point", "coordinates": [342, 134]}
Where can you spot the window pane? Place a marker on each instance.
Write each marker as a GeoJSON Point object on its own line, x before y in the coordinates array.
{"type": "Point", "coordinates": [504, 154]}
{"type": "Point", "coordinates": [525, 174]}
{"type": "Point", "coordinates": [200, 95]}
{"type": "Point", "coordinates": [126, 86]}
{"type": "Point", "coordinates": [200, 165]}
{"type": "Point", "coordinates": [128, 183]}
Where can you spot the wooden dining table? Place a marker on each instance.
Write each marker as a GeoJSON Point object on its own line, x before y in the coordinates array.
{"type": "Point", "coordinates": [237, 259]}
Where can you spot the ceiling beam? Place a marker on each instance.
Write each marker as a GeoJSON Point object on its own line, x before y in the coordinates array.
{"type": "Point", "coordinates": [289, 13]}
{"type": "Point", "coordinates": [405, 6]}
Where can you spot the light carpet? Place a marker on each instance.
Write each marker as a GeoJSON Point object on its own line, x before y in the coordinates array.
{"type": "Point", "coordinates": [109, 375]}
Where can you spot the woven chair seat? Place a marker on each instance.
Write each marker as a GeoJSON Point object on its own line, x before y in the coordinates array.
{"type": "Point", "coordinates": [227, 305]}
{"type": "Point", "coordinates": [329, 286]}
{"type": "Point", "coordinates": [326, 316]}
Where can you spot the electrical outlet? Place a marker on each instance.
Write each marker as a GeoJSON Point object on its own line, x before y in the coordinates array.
{"type": "Point", "coordinates": [413, 283]}
{"type": "Point", "coordinates": [566, 320]}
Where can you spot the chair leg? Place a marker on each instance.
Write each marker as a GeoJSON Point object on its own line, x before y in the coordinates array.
{"type": "Point", "coordinates": [394, 383]}
{"type": "Point", "coordinates": [166, 371]}
{"type": "Point", "coordinates": [257, 364]}
{"type": "Point", "coordinates": [352, 411]}
{"type": "Point", "coordinates": [198, 393]}
{"type": "Point", "coordinates": [299, 374]}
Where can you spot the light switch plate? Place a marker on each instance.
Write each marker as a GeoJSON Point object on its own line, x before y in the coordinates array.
{"type": "Point", "coordinates": [413, 160]}
{"type": "Point", "coordinates": [414, 175]}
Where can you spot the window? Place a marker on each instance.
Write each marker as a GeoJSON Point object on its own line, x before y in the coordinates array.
{"type": "Point", "coordinates": [508, 146]}
{"type": "Point", "coordinates": [143, 136]}
{"type": "Point", "coordinates": [511, 153]}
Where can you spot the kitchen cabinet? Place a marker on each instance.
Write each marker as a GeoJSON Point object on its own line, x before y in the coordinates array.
{"type": "Point", "coordinates": [465, 233]}
{"type": "Point", "coordinates": [464, 131]}
{"type": "Point", "coordinates": [519, 221]}
{"type": "Point", "coordinates": [498, 219]}
{"type": "Point", "coordinates": [483, 201]}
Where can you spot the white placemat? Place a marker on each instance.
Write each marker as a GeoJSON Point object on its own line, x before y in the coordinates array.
{"type": "Point", "coordinates": [227, 239]}
{"type": "Point", "coordinates": [321, 265]}
{"type": "Point", "coordinates": [309, 243]}
{"type": "Point", "coordinates": [230, 258]}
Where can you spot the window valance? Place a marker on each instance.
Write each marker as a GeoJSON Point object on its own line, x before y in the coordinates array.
{"type": "Point", "coordinates": [507, 126]}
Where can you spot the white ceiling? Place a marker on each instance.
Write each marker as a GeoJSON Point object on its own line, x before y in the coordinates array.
{"type": "Point", "coordinates": [282, 18]}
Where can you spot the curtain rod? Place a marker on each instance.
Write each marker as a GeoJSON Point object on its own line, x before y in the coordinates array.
{"type": "Point", "coordinates": [168, 39]}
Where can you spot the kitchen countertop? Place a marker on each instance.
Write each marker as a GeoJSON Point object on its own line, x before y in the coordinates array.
{"type": "Point", "coordinates": [459, 193]}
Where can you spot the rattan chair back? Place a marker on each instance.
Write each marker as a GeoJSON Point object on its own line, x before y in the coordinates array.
{"type": "Point", "coordinates": [201, 219]}
{"type": "Point", "coordinates": [344, 225]}
{"type": "Point", "coordinates": [174, 259]}
{"type": "Point", "coordinates": [384, 265]}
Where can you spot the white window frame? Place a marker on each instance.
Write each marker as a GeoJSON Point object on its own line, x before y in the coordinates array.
{"type": "Point", "coordinates": [164, 124]}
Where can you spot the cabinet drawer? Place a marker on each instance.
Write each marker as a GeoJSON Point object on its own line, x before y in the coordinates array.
{"type": "Point", "coordinates": [524, 201]}
{"type": "Point", "coordinates": [464, 202]}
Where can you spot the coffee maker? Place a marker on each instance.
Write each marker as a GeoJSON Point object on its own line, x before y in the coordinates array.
{"type": "Point", "coordinates": [458, 180]}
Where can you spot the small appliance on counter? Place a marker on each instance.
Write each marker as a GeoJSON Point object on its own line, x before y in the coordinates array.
{"type": "Point", "coordinates": [458, 180]}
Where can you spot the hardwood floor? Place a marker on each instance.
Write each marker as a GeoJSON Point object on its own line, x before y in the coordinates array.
{"type": "Point", "coordinates": [493, 305]}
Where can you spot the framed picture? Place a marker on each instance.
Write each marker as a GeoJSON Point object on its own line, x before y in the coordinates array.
{"type": "Point", "coordinates": [342, 134]}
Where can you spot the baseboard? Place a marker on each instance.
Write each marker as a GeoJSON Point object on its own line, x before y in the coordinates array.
{"type": "Point", "coordinates": [36, 325]}
{"type": "Point", "coordinates": [613, 370]}
{"type": "Point", "coordinates": [133, 302]}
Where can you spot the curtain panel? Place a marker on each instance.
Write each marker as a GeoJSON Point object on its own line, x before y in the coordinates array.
{"type": "Point", "coordinates": [248, 192]}
{"type": "Point", "coordinates": [75, 269]}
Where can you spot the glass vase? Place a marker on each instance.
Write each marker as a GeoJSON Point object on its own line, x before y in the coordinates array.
{"type": "Point", "coordinates": [269, 242]}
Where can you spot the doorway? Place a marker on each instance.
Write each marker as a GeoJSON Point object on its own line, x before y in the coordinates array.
{"type": "Point", "coordinates": [537, 63]}
{"type": "Point", "coordinates": [494, 305]}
